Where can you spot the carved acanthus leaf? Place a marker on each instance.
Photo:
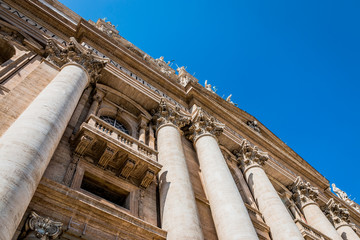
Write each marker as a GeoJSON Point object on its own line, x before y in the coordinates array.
{"type": "Point", "coordinates": [165, 114]}
{"type": "Point", "coordinates": [336, 214]}
{"type": "Point", "coordinates": [303, 192]}
{"type": "Point", "coordinates": [203, 123]}
{"type": "Point", "coordinates": [75, 53]}
{"type": "Point", "coordinates": [42, 227]}
{"type": "Point", "coordinates": [250, 155]}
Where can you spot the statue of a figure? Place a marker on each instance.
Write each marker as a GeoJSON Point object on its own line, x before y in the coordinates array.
{"type": "Point", "coordinates": [164, 67]}
{"type": "Point", "coordinates": [341, 194]}
{"type": "Point", "coordinates": [208, 86]}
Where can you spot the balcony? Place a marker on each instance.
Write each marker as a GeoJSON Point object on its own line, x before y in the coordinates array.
{"type": "Point", "coordinates": [310, 233]}
{"type": "Point", "coordinates": [115, 151]}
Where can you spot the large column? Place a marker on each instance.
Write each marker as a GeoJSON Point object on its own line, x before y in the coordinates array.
{"type": "Point", "coordinates": [277, 217]}
{"type": "Point", "coordinates": [177, 201]}
{"type": "Point", "coordinates": [229, 213]}
{"type": "Point", "coordinates": [27, 146]}
{"type": "Point", "coordinates": [339, 217]}
{"type": "Point", "coordinates": [305, 196]}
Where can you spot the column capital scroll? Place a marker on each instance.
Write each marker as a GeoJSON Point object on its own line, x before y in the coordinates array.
{"type": "Point", "coordinates": [250, 156]}
{"type": "Point", "coordinates": [42, 228]}
{"type": "Point", "coordinates": [202, 123]}
{"type": "Point", "coordinates": [165, 114]}
{"type": "Point", "coordinates": [336, 214]}
{"type": "Point", "coordinates": [303, 192]}
{"type": "Point", "coordinates": [75, 53]}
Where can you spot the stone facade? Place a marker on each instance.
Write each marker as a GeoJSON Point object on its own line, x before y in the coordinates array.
{"type": "Point", "coordinates": [98, 140]}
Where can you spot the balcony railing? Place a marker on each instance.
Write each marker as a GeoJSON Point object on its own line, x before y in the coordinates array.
{"type": "Point", "coordinates": [113, 150]}
{"type": "Point", "coordinates": [309, 232]}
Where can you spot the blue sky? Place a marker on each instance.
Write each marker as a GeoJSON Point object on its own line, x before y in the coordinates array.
{"type": "Point", "coordinates": [294, 65]}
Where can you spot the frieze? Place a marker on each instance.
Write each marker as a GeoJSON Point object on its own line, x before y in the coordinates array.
{"type": "Point", "coordinates": [33, 23]}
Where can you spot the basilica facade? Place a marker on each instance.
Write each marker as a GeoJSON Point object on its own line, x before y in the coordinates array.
{"type": "Point", "coordinates": [99, 140]}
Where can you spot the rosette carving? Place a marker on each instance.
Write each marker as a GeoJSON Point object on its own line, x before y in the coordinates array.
{"type": "Point", "coordinates": [38, 227]}
{"type": "Point", "coordinates": [336, 214]}
{"type": "Point", "coordinates": [203, 123]}
{"type": "Point", "coordinates": [165, 114]}
{"type": "Point", "coordinates": [250, 155]}
{"type": "Point", "coordinates": [75, 53]}
{"type": "Point", "coordinates": [303, 192]}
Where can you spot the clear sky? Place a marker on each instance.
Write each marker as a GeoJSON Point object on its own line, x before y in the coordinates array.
{"type": "Point", "coordinates": [294, 65]}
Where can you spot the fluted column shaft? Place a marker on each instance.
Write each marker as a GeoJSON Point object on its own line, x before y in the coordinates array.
{"type": "Point", "coordinates": [27, 146]}
{"type": "Point", "coordinates": [316, 218]}
{"type": "Point", "coordinates": [230, 215]}
{"type": "Point", "coordinates": [177, 201]}
{"type": "Point", "coordinates": [282, 226]}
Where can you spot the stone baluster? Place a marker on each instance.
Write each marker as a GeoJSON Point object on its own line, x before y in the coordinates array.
{"type": "Point", "coordinates": [229, 213]}
{"type": "Point", "coordinates": [277, 217]}
{"type": "Point", "coordinates": [339, 217]}
{"type": "Point", "coordinates": [177, 201]}
{"type": "Point", "coordinates": [29, 143]}
{"type": "Point", "coordinates": [305, 197]}
{"type": "Point", "coordinates": [97, 98]}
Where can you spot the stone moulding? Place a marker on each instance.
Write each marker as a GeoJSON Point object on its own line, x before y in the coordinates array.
{"type": "Point", "coordinates": [75, 53]}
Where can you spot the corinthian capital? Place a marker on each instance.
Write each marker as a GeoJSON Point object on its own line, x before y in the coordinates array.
{"type": "Point", "coordinates": [303, 192]}
{"type": "Point", "coordinates": [250, 155]}
{"type": "Point", "coordinates": [38, 227]}
{"type": "Point", "coordinates": [165, 114]}
{"type": "Point", "coordinates": [336, 214]}
{"type": "Point", "coordinates": [202, 123]}
{"type": "Point", "coordinates": [75, 53]}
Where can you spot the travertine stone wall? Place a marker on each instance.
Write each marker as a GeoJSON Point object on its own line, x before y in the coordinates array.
{"type": "Point", "coordinates": [17, 100]}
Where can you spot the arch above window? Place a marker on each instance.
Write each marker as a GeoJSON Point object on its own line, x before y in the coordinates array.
{"type": "Point", "coordinates": [115, 124]}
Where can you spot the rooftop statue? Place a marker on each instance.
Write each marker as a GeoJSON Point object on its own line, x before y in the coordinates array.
{"type": "Point", "coordinates": [343, 196]}
{"type": "Point", "coordinates": [184, 77]}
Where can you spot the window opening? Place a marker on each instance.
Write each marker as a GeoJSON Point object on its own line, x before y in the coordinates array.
{"type": "Point", "coordinates": [115, 123]}
{"type": "Point", "coordinates": [106, 190]}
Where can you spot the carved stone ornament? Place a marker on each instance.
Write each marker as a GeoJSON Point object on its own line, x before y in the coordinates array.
{"type": "Point", "coordinates": [250, 155]}
{"type": "Point", "coordinates": [184, 77]}
{"type": "Point", "coordinates": [336, 214]}
{"type": "Point", "coordinates": [253, 125]}
{"type": "Point", "coordinates": [38, 227]}
{"type": "Point", "coordinates": [203, 123]}
{"type": "Point", "coordinates": [303, 192]}
{"type": "Point", "coordinates": [165, 114]}
{"type": "Point", "coordinates": [75, 53]}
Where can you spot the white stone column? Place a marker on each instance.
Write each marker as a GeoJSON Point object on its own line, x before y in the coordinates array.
{"type": "Point", "coordinates": [177, 201]}
{"type": "Point", "coordinates": [230, 215]}
{"type": "Point", "coordinates": [277, 217]}
{"type": "Point", "coordinates": [305, 196]}
{"type": "Point", "coordinates": [339, 217]}
{"type": "Point", "coordinates": [142, 129]}
{"type": "Point", "coordinates": [27, 146]}
{"type": "Point", "coordinates": [95, 104]}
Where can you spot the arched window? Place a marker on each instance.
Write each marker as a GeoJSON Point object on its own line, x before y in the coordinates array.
{"type": "Point", "coordinates": [114, 123]}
